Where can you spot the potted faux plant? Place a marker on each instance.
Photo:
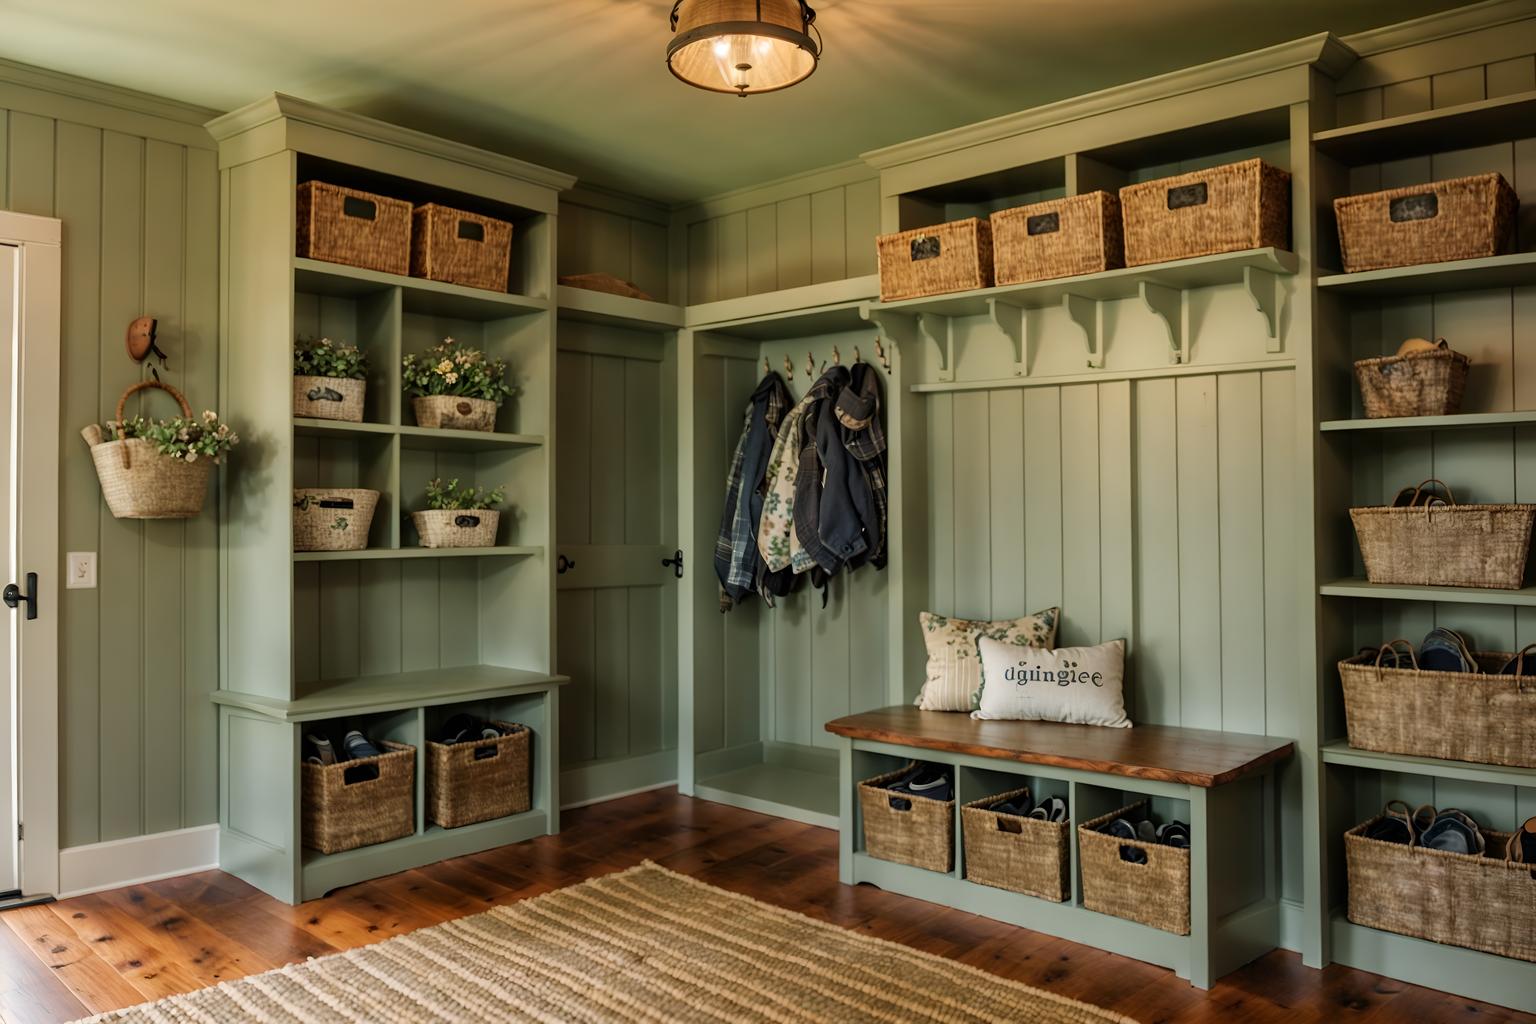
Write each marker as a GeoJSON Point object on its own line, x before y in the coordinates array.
{"type": "Point", "coordinates": [329, 380]}
{"type": "Point", "coordinates": [458, 517]}
{"type": "Point", "coordinates": [157, 469]}
{"type": "Point", "coordinates": [454, 387]}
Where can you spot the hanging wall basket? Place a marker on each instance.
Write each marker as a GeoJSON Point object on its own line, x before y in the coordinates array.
{"type": "Point", "coordinates": [140, 483]}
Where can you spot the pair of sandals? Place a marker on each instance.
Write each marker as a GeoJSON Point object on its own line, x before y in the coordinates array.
{"type": "Point", "coordinates": [1052, 808]}
{"type": "Point", "coordinates": [1172, 833]}
{"type": "Point", "coordinates": [1425, 496]}
{"type": "Point", "coordinates": [1446, 650]}
{"type": "Point", "coordinates": [930, 781]}
{"type": "Point", "coordinates": [1450, 830]}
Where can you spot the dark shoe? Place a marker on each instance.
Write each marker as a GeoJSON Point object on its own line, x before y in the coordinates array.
{"type": "Point", "coordinates": [1052, 808]}
{"type": "Point", "coordinates": [1175, 833]}
{"type": "Point", "coordinates": [1445, 650]}
{"type": "Point", "coordinates": [1453, 831]}
{"type": "Point", "coordinates": [357, 746]}
{"type": "Point", "coordinates": [1019, 806]}
{"type": "Point", "coordinates": [1522, 845]}
{"type": "Point", "coordinates": [319, 749]}
{"type": "Point", "coordinates": [1391, 830]}
{"type": "Point", "coordinates": [460, 728]}
{"type": "Point", "coordinates": [1522, 664]}
{"type": "Point", "coordinates": [1123, 829]}
{"type": "Point", "coordinates": [931, 781]}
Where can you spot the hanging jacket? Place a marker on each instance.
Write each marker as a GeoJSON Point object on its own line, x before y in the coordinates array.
{"type": "Point", "coordinates": [776, 540]}
{"type": "Point", "coordinates": [737, 561]}
{"type": "Point", "coordinates": [858, 412]}
{"type": "Point", "coordinates": [810, 474]}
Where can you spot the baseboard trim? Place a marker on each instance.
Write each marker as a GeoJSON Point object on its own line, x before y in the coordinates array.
{"type": "Point", "coordinates": [120, 862]}
{"type": "Point", "coordinates": [597, 781]}
{"type": "Point", "coordinates": [1291, 918]}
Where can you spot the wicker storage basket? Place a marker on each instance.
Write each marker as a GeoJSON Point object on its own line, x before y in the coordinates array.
{"type": "Point", "coordinates": [1428, 383]}
{"type": "Point", "coordinates": [1482, 717]}
{"type": "Point", "coordinates": [1018, 854]}
{"type": "Point", "coordinates": [1460, 219]}
{"type": "Point", "coordinates": [471, 782]}
{"type": "Point", "coordinates": [457, 528]}
{"type": "Point", "coordinates": [332, 518]}
{"type": "Point", "coordinates": [953, 257]}
{"type": "Point", "coordinates": [360, 229]}
{"type": "Point", "coordinates": [343, 809]}
{"type": "Point", "coordinates": [1059, 238]}
{"type": "Point", "coordinates": [329, 398]}
{"type": "Point", "coordinates": [1445, 546]}
{"type": "Point", "coordinates": [1245, 205]}
{"type": "Point", "coordinates": [1486, 903]}
{"type": "Point", "coordinates": [605, 283]}
{"type": "Point", "coordinates": [460, 248]}
{"type": "Point", "coordinates": [1155, 894]}
{"type": "Point", "coordinates": [140, 483]}
{"type": "Point", "coordinates": [923, 835]}
{"type": "Point", "coordinates": [454, 412]}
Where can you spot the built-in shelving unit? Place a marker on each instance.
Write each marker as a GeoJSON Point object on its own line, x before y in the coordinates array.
{"type": "Point", "coordinates": [1447, 595]}
{"type": "Point", "coordinates": [1463, 126]}
{"type": "Point", "coordinates": [587, 306]}
{"type": "Point", "coordinates": [1341, 753]}
{"type": "Point", "coordinates": [393, 638]}
{"type": "Point", "coordinates": [810, 311]}
{"type": "Point", "coordinates": [1517, 270]}
{"type": "Point", "coordinates": [1458, 421]}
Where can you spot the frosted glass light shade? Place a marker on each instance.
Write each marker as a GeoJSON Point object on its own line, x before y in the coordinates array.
{"type": "Point", "coordinates": [742, 46]}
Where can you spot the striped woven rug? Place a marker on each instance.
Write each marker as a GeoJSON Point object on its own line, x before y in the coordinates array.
{"type": "Point", "coordinates": [646, 944]}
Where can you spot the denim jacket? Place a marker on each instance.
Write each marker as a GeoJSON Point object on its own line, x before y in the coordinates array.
{"type": "Point", "coordinates": [738, 565]}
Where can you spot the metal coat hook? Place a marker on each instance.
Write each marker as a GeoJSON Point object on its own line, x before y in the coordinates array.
{"type": "Point", "coordinates": [767, 369]}
{"type": "Point", "coordinates": [810, 364]}
{"type": "Point", "coordinates": [837, 357]}
{"type": "Point", "coordinates": [882, 355]}
{"type": "Point", "coordinates": [857, 359]}
{"type": "Point", "coordinates": [789, 367]}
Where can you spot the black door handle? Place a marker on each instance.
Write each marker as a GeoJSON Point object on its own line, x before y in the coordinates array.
{"type": "Point", "coordinates": [676, 562]}
{"type": "Point", "coordinates": [13, 595]}
{"type": "Point", "coordinates": [563, 565]}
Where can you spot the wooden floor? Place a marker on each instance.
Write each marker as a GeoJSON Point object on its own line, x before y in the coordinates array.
{"type": "Point", "coordinates": [112, 949]}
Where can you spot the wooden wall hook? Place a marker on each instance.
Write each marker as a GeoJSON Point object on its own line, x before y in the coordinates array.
{"type": "Point", "coordinates": [789, 367]}
{"type": "Point", "coordinates": [141, 339]}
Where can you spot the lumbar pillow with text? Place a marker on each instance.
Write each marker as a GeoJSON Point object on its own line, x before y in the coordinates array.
{"type": "Point", "coordinates": [1080, 685]}
{"type": "Point", "coordinates": [954, 669]}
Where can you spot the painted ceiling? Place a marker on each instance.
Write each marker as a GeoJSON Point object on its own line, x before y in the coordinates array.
{"type": "Point", "coordinates": [581, 85]}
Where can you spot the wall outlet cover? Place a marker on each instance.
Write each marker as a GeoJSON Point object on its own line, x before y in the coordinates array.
{"type": "Point", "coordinates": [80, 570]}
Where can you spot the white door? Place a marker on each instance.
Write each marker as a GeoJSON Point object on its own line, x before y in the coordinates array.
{"type": "Point", "coordinates": [29, 559]}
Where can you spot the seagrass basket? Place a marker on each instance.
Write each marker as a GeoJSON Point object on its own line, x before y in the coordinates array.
{"type": "Point", "coordinates": [478, 780]}
{"type": "Point", "coordinates": [1060, 238]}
{"type": "Point", "coordinates": [346, 225]}
{"type": "Point", "coordinates": [332, 518]}
{"type": "Point", "coordinates": [454, 412]}
{"type": "Point", "coordinates": [1015, 853]}
{"type": "Point", "coordinates": [1237, 206]}
{"type": "Point", "coordinates": [460, 248]}
{"type": "Point", "coordinates": [1479, 902]}
{"type": "Point", "coordinates": [140, 483]}
{"type": "Point", "coordinates": [605, 283]}
{"type": "Point", "coordinates": [1459, 219]}
{"type": "Point", "coordinates": [329, 398]}
{"type": "Point", "coordinates": [1429, 383]}
{"type": "Point", "coordinates": [1155, 894]}
{"type": "Point", "coordinates": [922, 834]}
{"type": "Point", "coordinates": [953, 257]}
{"type": "Point", "coordinates": [1483, 717]}
{"type": "Point", "coordinates": [1446, 545]}
{"type": "Point", "coordinates": [346, 806]}
{"type": "Point", "coordinates": [457, 528]}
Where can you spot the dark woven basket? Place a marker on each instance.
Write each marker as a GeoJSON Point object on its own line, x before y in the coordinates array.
{"type": "Point", "coordinates": [342, 809]}
{"type": "Point", "coordinates": [1238, 206]}
{"type": "Point", "coordinates": [923, 835]}
{"type": "Point", "coordinates": [1483, 717]}
{"type": "Point", "coordinates": [1428, 383]}
{"type": "Point", "coordinates": [1459, 219]}
{"type": "Point", "coordinates": [1155, 894]}
{"type": "Point", "coordinates": [1015, 853]}
{"type": "Point", "coordinates": [460, 248]}
{"type": "Point", "coordinates": [360, 229]}
{"type": "Point", "coordinates": [1446, 545]}
{"type": "Point", "coordinates": [1059, 238]}
{"type": "Point", "coordinates": [1457, 899]}
{"type": "Point", "coordinates": [472, 782]}
{"type": "Point", "coordinates": [953, 257]}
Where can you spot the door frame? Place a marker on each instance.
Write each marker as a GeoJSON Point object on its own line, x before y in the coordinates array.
{"type": "Point", "coordinates": [36, 402]}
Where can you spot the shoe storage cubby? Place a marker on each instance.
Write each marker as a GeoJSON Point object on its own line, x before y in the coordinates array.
{"type": "Point", "coordinates": [1021, 855]}
{"type": "Point", "coordinates": [473, 782]}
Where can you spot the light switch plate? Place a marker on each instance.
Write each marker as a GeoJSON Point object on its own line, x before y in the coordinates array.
{"type": "Point", "coordinates": [80, 570]}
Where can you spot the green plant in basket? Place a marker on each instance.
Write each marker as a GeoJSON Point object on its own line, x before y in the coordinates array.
{"type": "Point", "coordinates": [184, 438]}
{"type": "Point", "coordinates": [323, 357]}
{"type": "Point", "coordinates": [452, 369]}
{"type": "Point", "coordinates": [451, 497]}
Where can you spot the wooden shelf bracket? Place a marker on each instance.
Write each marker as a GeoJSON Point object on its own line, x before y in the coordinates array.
{"type": "Point", "coordinates": [1167, 304]}
{"type": "Point", "coordinates": [1088, 314]}
{"type": "Point", "coordinates": [1013, 321]}
{"type": "Point", "coordinates": [896, 330]}
{"type": "Point", "coordinates": [1264, 288]}
{"type": "Point", "coordinates": [939, 330]}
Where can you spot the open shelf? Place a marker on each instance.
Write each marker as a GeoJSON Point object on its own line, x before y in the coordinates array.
{"type": "Point", "coordinates": [420, 438]}
{"type": "Point", "coordinates": [1341, 753]}
{"type": "Point", "coordinates": [362, 695]}
{"type": "Point", "coordinates": [418, 295]}
{"type": "Point", "coordinates": [1473, 419]}
{"type": "Point", "coordinates": [1480, 123]}
{"type": "Point", "coordinates": [1525, 597]}
{"type": "Point", "coordinates": [791, 313]}
{"type": "Point", "coordinates": [777, 789]}
{"type": "Point", "coordinates": [1513, 271]}
{"type": "Point", "coordinates": [392, 554]}
{"type": "Point", "coordinates": [587, 306]}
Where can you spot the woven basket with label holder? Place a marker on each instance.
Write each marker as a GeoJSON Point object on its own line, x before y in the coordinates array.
{"type": "Point", "coordinates": [1459, 219]}
{"type": "Point", "coordinates": [1238, 206]}
{"type": "Point", "coordinates": [1425, 383]}
{"type": "Point", "coordinates": [953, 257]}
{"type": "Point", "coordinates": [1429, 540]}
{"type": "Point", "coordinates": [1059, 238]}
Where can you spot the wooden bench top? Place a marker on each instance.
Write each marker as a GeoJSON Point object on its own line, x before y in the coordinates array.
{"type": "Point", "coordinates": [1195, 757]}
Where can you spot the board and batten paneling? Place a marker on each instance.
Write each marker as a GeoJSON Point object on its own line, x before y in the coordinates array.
{"type": "Point", "coordinates": [138, 655]}
{"type": "Point", "coordinates": [1415, 95]}
{"type": "Point", "coordinates": [595, 240]}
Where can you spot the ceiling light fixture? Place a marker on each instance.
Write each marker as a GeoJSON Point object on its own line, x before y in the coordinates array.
{"type": "Point", "coordinates": [743, 46]}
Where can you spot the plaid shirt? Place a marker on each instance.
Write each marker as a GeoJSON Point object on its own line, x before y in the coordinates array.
{"type": "Point", "coordinates": [736, 555]}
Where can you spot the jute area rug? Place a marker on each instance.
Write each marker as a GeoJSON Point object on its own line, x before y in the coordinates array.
{"type": "Point", "coordinates": [646, 944]}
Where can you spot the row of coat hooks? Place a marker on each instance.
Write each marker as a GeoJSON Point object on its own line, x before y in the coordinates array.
{"type": "Point", "coordinates": [811, 371]}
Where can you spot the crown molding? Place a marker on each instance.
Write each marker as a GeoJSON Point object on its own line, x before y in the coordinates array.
{"type": "Point", "coordinates": [99, 92]}
{"type": "Point", "coordinates": [1323, 51]}
{"type": "Point", "coordinates": [1434, 27]}
{"type": "Point", "coordinates": [280, 106]}
{"type": "Point", "coordinates": [612, 200]}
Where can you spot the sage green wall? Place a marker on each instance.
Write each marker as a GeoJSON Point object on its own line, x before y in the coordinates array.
{"type": "Point", "coordinates": [138, 655]}
{"type": "Point", "coordinates": [619, 235]}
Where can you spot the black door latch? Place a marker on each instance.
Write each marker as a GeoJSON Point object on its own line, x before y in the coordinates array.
{"type": "Point", "coordinates": [563, 565]}
{"type": "Point", "coordinates": [13, 595]}
{"type": "Point", "coordinates": [676, 562]}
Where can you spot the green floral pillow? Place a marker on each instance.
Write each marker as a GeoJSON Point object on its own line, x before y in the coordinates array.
{"type": "Point", "coordinates": [953, 682]}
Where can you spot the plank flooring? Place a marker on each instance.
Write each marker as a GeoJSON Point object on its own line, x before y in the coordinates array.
{"type": "Point", "coordinates": [95, 953]}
